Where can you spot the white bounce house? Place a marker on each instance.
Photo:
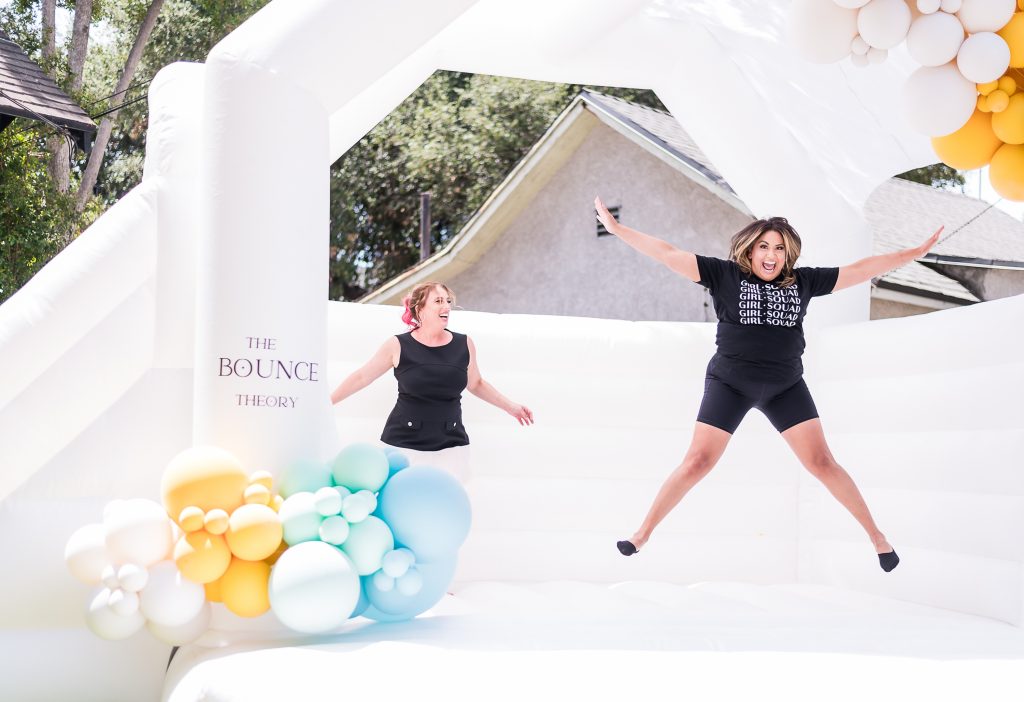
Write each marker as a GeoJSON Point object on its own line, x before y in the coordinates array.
{"type": "Point", "coordinates": [759, 584]}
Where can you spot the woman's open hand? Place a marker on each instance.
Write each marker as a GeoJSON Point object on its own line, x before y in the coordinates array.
{"type": "Point", "coordinates": [921, 250]}
{"type": "Point", "coordinates": [522, 413]}
{"type": "Point", "coordinates": [606, 218]}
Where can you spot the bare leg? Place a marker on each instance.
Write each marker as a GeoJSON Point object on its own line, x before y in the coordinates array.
{"type": "Point", "coordinates": [808, 443]}
{"type": "Point", "coordinates": [706, 447]}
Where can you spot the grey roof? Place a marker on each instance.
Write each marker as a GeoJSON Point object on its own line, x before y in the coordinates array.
{"type": "Point", "coordinates": [26, 91]}
{"type": "Point", "coordinates": [901, 213]}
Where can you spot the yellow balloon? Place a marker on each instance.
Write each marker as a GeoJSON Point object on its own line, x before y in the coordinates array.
{"type": "Point", "coordinates": [257, 494]}
{"type": "Point", "coordinates": [191, 518]}
{"type": "Point", "coordinates": [1013, 33]}
{"type": "Point", "coordinates": [275, 503]}
{"type": "Point", "coordinates": [216, 521]}
{"type": "Point", "coordinates": [986, 88]}
{"type": "Point", "coordinates": [1008, 85]}
{"type": "Point", "coordinates": [243, 588]}
{"type": "Point", "coordinates": [262, 477]}
{"type": "Point", "coordinates": [983, 103]}
{"type": "Point", "coordinates": [272, 559]}
{"type": "Point", "coordinates": [1009, 124]}
{"type": "Point", "coordinates": [969, 147]}
{"type": "Point", "coordinates": [213, 591]}
{"type": "Point", "coordinates": [202, 557]}
{"type": "Point", "coordinates": [254, 532]}
{"type": "Point", "coordinates": [1006, 172]}
{"type": "Point", "coordinates": [207, 477]}
{"type": "Point", "coordinates": [997, 101]}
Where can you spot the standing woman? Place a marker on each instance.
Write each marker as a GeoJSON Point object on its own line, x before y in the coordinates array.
{"type": "Point", "coordinates": [433, 366]}
{"type": "Point", "coordinates": [760, 298]}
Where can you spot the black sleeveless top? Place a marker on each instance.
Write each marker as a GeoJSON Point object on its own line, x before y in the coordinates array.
{"type": "Point", "coordinates": [428, 414]}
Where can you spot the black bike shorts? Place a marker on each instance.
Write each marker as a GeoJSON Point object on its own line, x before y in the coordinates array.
{"type": "Point", "coordinates": [728, 399]}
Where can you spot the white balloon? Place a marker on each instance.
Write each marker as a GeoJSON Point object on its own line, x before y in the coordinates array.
{"type": "Point", "coordinates": [821, 31]}
{"type": "Point", "coordinates": [169, 599]}
{"type": "Point", "coordinates": [983, 57]}
{"type": "Point", "coordinates": [109, 578]}
{"type": "Point", "coordinates": [86, 553]}
{"type": "Point", "coordinates": [985, 15]}
{"type": "Point", "coordinates": [927, 7]}
{"type": "Point", "coordinates": [138, 531]}
{"type": "Point", "coordinates": [877, 55]}
{"type": "Point", "coordinates": [313, 587]}
{"type": "Point", "coordinates": [184, 633]}
{"type": "Point", "coordinates": [859, 60]}
{"type": "Point", "coordinates": [951, 6]}
{"type": "Point", "coordinates": [859, 46]}
{"type": "Point", "coordinates": [934, 40]}
{"type": "Point", "coordinates": [132, 577]}
{"type": "Point", "coordinates": [938, 100]}
{"type": "Point", "coordinates": [884, 23]}
{"type": "Point", "coordinates": [106, 623]}
{"type": "Point", "coordinates": [123, 603]}
{"type": "Point", "coordinates": [851, 4]}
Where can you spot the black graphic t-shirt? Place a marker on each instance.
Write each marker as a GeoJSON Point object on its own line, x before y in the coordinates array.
{"type": "Point", "coordinates": [760, 324]}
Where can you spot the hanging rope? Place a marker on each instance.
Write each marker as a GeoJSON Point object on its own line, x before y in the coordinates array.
{"type": "Point", "coordinates": [962, 226]}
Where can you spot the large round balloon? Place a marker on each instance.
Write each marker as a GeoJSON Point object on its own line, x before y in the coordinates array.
{"type": "Point", "coordinates": [108, 624]}
{"type": "Point", "coordinates": [183, 633]}
{"type": "Point", "coordinates": [1006, 172]}
{"type": "Point", "coordinates": [428, 512]}
{"type": "Point", "coordinates": [202, 557]}
{"type": "Point", "coordinates": [366, 544]}
{"type": "Point", "coordinates": [86, 553]}
{"type": "Point", "coordinates": [360, 467]}
{"type": "Point", "coordinates": [1008, 125]}
{"type": "Point", "coordinates": [300, 518]}
{"type": "Point", "coordinates": [313, 587]}
{"type": "Point", "coordinates": [971, 146]}
{"type": "Point", "coordinates": [170, 599]}
{"type": "Point", "coordinates": [137, 531]}
{"type": "Point", "coordinates": [821, 31]}
{"type": "Point", "coordinates": [985, 15]}
{"type": "Point", "coordinates": [935, 39]}
{"type": "Point", "coordinates": [939, 100]}
{"type": "Point", "coordinates": [243, 587]}
{"type": "Point", "coordinates": [884, 23]}
{"type": "Point", "coordinates": [1013, 35]}
{"type": "Point", "coordinates": [983, 57]}
{"type": "Point", "coordinates": [393, 605]}
{"type": "Point", "coordinates": [206, 477]}
{"type": "Point", "coordinates": [304, 476]}
{"type": "Point", "coordinates": [254, 532]}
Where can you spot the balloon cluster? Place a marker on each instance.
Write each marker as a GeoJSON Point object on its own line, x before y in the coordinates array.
{"type": "Point", "coordinates": [965, 95]}
{"type": "Point", "coordinates": [365, 535]}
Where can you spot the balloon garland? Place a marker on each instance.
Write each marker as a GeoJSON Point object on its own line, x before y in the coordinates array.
{"type": "Point", "coordinates": [365, 535]}
{"type": "Point", "coordinates": [967, 94]}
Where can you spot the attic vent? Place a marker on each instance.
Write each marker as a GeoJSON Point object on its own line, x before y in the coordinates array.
{"type": "Point", "coordinates": [601, 231]}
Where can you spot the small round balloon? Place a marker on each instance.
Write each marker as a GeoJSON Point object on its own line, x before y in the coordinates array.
{"type": "Point", "coordinates": [86, 553]}
{"type": "Point", "coordinates": [300, 518]}
{"type": "Point", "coordinates": [367, 543]}
{"type": "Point", "coordinates": [884, 23]}
{"type": "Point", "coordinates": [254, 532]}
{"type": "Point", "coordinates": [106, 623]}
{"type": "Point", "coordinates": [170, 599]}
{"type": "Point", "coordinates": [393, 605]}
{"type": "Point", "coordinates": [361, 467]}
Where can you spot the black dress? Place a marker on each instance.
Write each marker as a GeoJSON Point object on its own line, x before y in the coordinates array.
{"type": "Point", "coordinates": [428, 414]}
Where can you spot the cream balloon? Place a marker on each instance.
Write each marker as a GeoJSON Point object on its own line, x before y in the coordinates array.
{"type": "Point", "coordinates": [927, 7]}
{"type": "Point", "coordinates": [950, 6]}
{"type": "Point", "coordinates": [985, 15]}
{"type": "Point", "coordinates": [934, 40]}
{"type": "Point", "coordinates": [859, 46]}
{"type": "Point", "coordinates": [821, 31]}
{"type": "Point", "coordinates": [983, 57]}
{"type": "Point", "coordinates": [877, 55]}
{"type": "Point", "coordinates": [884, 23]}
{"type": "Point", "coordinates": [137, 531]}
{"type": "Point", "coordinates": [851, 4]}
{"type": "Point", "coordinates": [108, 624]}
{"type": "Point", "coordinates": [183, 633]}
{"type": "Point", "coordinates": [170, 599]}
{"type": "Point", "coordinates": [938, 100]}
{"type": "Point", "coordinates": [86, 553]}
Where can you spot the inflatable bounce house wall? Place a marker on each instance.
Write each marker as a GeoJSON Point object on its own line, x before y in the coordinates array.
{"type": "Point", "coordinates": [110, 368]}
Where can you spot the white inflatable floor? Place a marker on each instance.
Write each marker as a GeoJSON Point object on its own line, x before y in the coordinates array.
{"type": "Point", "coordinates": [633, 640]}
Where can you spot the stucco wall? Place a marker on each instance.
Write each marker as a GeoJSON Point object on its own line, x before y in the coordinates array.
{"type": "Point", "coordinates": [986, 283]}
{"type": "Point", "coordinates": [550, 260]}
{"type": "Point", "coordinates": [887, 309]}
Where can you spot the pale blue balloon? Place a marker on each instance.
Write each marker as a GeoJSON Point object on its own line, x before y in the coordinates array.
{"type": "Point", "coordinates": [395, 606]}
{"type": "Point", "coordinates": [428, 511]}
{"type": "Point", "coordinates": [313, 587]}
{"type": "Point", "coordinates": [300, 518]}
{"type": "Point", "coordinates": [396, 562]}
{"type": "Point", "coordinates": [362, 604]}
{"type": "Point", "coordinates": [367, 543]}
{"type": "Point", "coordinates": [334, 530]}
{"type": "Point", "coordinates": [410, 583]}
{"type": "Point", "coordinates": [397, 461]}
{"type": "Point", "coordinates": [360, 467]}
{"type": "Point", "coordinates": [382, 581]}
{"type": "Point", "coordinates": [304, 476]}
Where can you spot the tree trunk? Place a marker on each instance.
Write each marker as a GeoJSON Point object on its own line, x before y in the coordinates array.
{"type": "Point", "coordinates": [92, 168]}
{"type": "Point", "coordinates": [79, 45]}
{"type": "Point", "coordinates": [60, 165]}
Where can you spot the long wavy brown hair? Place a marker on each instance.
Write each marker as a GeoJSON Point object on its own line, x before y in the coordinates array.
{"type": "Point", "coordinates": [742, 245]}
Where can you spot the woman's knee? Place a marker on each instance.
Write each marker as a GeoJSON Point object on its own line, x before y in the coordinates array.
{"type": "Point", "coordinates": [822, 466]}
{"type": "Point", "coordinates": [697, 464]}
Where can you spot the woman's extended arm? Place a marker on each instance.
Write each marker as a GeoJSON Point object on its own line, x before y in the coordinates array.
{"type": "Point", "coordinates": [488, 393]}
{"type": "Point", "coordinates": [386, 357]}
{"type": "Point", "coordinates": [874, 266]}
{"type": "Point", "coordinates": [682, 262]}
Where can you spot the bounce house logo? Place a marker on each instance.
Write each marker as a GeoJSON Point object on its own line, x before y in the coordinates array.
{"type": "Point", "coordinates": [266, 369]}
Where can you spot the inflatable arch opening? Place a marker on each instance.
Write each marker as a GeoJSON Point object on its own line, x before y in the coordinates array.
{"type": "Point", "coordinates": [113, 354]}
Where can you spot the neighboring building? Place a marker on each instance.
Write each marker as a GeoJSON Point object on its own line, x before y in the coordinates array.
{"type": "Point", "coordinates": [535, 247]}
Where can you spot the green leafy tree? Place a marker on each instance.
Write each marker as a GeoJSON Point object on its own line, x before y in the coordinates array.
{"type": "Point", "coordinates": [937, 175]}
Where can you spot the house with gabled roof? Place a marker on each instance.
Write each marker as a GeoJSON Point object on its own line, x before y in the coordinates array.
{"type": "Point", "coordinates": [534, 246]}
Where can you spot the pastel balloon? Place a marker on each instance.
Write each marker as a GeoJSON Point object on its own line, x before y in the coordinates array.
{"type": "Point", "coordinates": [183, 633]}
{"type": "Point", "coordinates": [851, 4]}
{"type": "Point", "coordinates": [983, 57]}
{"type": "Point", "coordinates": [86, 553]}
{"type": "Point", "coordinates": [1008, 125]}
{"type": "Point", "coordinates": [985, 15]}
{"type": "Point", "coordinates": [328, 501]}
{"type": "Point", "coordinates": [132, 577]}
{"type": "Point", "coordinates": [950, 6]}
{"type": "Point", "coordinates": [360, 467]}
{"type": "Point", "coordinates": [257, 495]}
{"type": "Point", "coordinates": [972, 146]}
{"type": "Point", "coordinates": [207, 477]}
{"type": "Point", "coordinates": [997, 101]}
{"type": "Point", "coordinates": [254, 532]}
{"type": "Point", "coordinates": [109, 577]}
{"type": "Point", "coordinates": [1013, 35]}
{"type": "Point", "coordinates": [304, 476]}
{"type": "Point", "coordinates": [170, 599]}
{"type": "Point", "coordinates": [396, 563]}
{"type": "Point", "coordinates": [1006, 171]}
{"type": "Point", "coordinates": [884, 23]}
{"type": "Point", "coordinates": [934, 40]}
{"type": "Point", "coordinates": [393, 605]}
{"type": "Point", "coordinates": [202, 557]}
{"type": "Point", "coordinates": [1007, 84]}
{"type": "Point", "coordinates": [191, 519]}
{"type": "Point", "coordinates": [313, 587]}
{"type": "Point", "coordinates": [106, 623]}
{"type": "Point", "coordinates": [334, 530]}
{"type": "Point", "coordinates": [358, 506]}
{"type": "Point", "coordinates": [264, 478]}
{"type": "Point", "coordinates": [382, 581]}
{"type": "Point", "coordinates": [123, 603]}
{"type": "Point", "coordinates": [300, 518]}
{"type": "Point", "coordinates": [938, 100]}
{"type": "Point", "coordinates": [216, 521]}
{"type": "Point", "coordinates": [243, 587]}
{"type": "Point", "coordinates": [821, 31]}
{"type": "Point", "coordinates": [399, 461]}
{"type": "Point", "coordinates": [212, 590]}
{"type": "Point", "coordinates": [137, 531]}
{"type": "Point", "coordinates": [367, 543]}
{"type": "Point", "coordinates": [428, 511]}
{"type": "Point", "coordinates": [410, 583]}
{"type": "Point", "coordinates": [928, 7]}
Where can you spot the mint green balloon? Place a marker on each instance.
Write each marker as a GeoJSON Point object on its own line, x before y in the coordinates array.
{"type": "Point", "coordinates": [300, 518]}
{"type": "Point", "coordinates": [367, 543]}
{"type": "Point", "coordinates": [304, 476]}
{"type": "Point", "coordinates": [361, 467]}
